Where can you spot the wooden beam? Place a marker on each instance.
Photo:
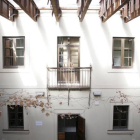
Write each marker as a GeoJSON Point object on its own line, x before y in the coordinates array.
{"type": "Point", "coordinates": [56, 9]}
{"type": "Point", "coordinates": [7, 10]}
{"type": "Point", "coordinates": [83, 9]}
{"type": "Point", "coordinates": [110, 7]}
{"type": "Point", "coordinates": [131, 10]}
{"type": "Point", "coordinates": [29, 7]}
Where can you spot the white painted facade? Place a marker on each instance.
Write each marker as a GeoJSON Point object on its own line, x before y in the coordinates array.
{"type": "Point", "coordinates": [96, 50]}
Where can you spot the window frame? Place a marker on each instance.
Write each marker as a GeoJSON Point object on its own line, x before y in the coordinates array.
{"type": "Point", "coordinates": [16, 117]}
{"type": "Point", "coordinates": [68, 46]}
{"type": "Point", "coordinates": [13, 37]}
{"type": "Point", "coordinates": [122, 52]}
{"type": "Point", "coordinates": [120, 127]}
{"type": "Point", "coordinates": [61, 46]}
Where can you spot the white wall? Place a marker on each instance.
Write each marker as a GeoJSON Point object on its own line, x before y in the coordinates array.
{"type": "Point", "coordinates": [95, 49]}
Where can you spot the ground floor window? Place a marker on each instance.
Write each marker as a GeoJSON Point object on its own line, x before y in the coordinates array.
{"type": "Point", "coordinates": [15, 115]}
{"type": "Point", "coordinates": [120, 117]}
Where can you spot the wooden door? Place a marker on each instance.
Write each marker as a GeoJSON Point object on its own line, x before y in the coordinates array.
{"type": "Point", "coordinates": [81, 128]}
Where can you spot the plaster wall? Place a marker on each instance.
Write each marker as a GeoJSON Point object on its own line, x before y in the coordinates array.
{"type": "Point", "coordinates": [96, 50]}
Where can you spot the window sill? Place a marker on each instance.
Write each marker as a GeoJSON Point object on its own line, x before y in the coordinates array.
{"type": "Point", "coordinates": [120, 132]}
{"type": "Point", "coordinates": [8, 131]}
{"type": "Point", "coordinates": [122, 70]}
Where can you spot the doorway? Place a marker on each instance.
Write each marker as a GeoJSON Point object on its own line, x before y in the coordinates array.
{"type": "Point", "coordinates": [71, 127]}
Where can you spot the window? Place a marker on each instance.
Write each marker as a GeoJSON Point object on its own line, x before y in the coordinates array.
{"type": "Point", "coordinates": [123, 50]}
{"type": "Point", "coordinates": [15, 114]}
{"type": "Point", "coordinates": [68, 57]}
{"type": "Point", "coordinates": [120, 117]}
{"type": "Point", "coordinates": [68, 51]}
{"type": "Point", "coordinates": [13, 50]}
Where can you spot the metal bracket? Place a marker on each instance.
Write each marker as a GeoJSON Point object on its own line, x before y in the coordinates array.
{"type": "Point", "coordinates": [68, 96]}
{"type": "Point", "coordinates": [89, 98]}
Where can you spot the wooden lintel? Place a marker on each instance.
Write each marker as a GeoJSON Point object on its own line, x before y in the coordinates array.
{"type": "Point", "coordinates": [29, 7]}
{"type": "Point", "coordinates": [56, 9]}
{"type": "Point", "coordinates": [83, 9]}
{"type": "Point", "coordinates": [131, 11]}
{"type": "Point", "coordinates": [110, 7]}
{"type": "Point", "coordinates": [7, 10]}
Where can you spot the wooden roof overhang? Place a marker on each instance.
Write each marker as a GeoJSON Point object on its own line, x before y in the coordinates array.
{"type": "Point", "coordinates": [131, 10]}
{"type": "Point", "coordinates": [7, 10]}
{"type": "Point", "coordinates": [56, 9]}
{"type": "Point", "coordinates": [83, 9]}
{"type": "Point", "coordinates": [29, 7]}
{"type": "Point", "coordinates": [110, 7]}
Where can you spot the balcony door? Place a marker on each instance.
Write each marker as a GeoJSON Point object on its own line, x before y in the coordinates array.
{"type": "Point", "coordinates": [68, 60]}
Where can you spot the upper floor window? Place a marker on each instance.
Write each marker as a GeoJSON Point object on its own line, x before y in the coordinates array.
{"type": "Point", "coordinates": [13, 51]}
{"type": "Point", "coordinates": [68, 57]}
{"type": "Point", "coordinates": [68, 52]}
{"type": "Point", "coordinates": [120, 117]}
{"type": "Point", "coordinates": [15, 114]}
{"type": "Point", "coordinates": [123, 51]}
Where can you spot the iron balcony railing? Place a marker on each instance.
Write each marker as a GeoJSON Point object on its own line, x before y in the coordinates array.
{"type": "Point", "coordinates": [69, 78]}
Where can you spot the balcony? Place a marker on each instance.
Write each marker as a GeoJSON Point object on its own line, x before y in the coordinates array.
{"type": "Point", "coordinates": [65, 78]}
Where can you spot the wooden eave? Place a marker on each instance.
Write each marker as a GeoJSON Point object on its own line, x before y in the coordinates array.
{"type": "Point", "coordinates": [7, 10]}
{"type": "Point", "coordinates": [83, 9]}
{"type": "Point", "coordinates": [131, 10]}
{"type": "Point", "coordinates": [29, 7]}
{"type": "Point", "coordinates": [56, 9]}
{"type": "Point", "coordinates": [110, 7]}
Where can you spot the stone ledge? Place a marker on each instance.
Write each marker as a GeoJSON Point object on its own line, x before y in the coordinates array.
{"type": "Point", "coordinates": [123, 132]}
{"type": "Point", "coordinates": [8, 131]}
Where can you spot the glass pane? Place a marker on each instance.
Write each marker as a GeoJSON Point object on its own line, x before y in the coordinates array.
{"type": "Point", "coordinates": [128, 43]}
{"type": "Point", "coordinates": [9, 61]}
{"type": "Point", "coordinates": [74, 57]}
{"type": "Point", "coordinates": [124, 123]}
{"type": "Point", "coordinates": [124, 108]}
{"type": "Point", "coordinates": [130, 61]}
{"type": "Point", "coordinates": [9, 43]}
{"type": "Point", "coordinates": [127, 53]}
{"type": "Point", "coordinates": [20, 61]}
{"type": "Point", "coordinates": [63, 57]}
{"type": "Point", "coordinates": [20, 109]}
{"type": "Point", "coordinates": [115, 109]}
{"type": "Point", "coordinates": [12, 123]}
{"type": "Point", "coordinates": [124, 115]}
{"type": "Point", "coordinates": [12, 116]}
{"type": "Point", "coordinates": [117, 43]}
{"type": "Point", "coordinates": [20, 115]}
{"type": "Point", "coordinates": [117, 53]}
{"type": "Point", "coordinates": [116, 123]}
{"type": "Point", "coordinates": [75, 65]}
{"type": "Point", "coordinates": [20, 52]}
{"type": "Point", "coordinates": [20, 122]}
{"type": "Point", "coordinates": [126, 62]}
{"type": "Point", "coordinates": [20, 42]}
{"type": "Point", "coordinates": [116, 115]}
{"type": "Point", "coordinates": [116, 61]}
{"type": "Point", "coordinates": [11, 108]}
{"type": "Point", "coordinates": [8, 52]}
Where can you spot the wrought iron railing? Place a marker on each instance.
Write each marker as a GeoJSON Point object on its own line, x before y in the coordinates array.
{"type": "Point", "coordinates": [69, 78]}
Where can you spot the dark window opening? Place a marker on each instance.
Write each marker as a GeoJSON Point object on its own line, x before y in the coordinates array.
{"type": "Point", "coordinates": [15, 114]}
{"type": "Point", "coordinates": [120, 118]}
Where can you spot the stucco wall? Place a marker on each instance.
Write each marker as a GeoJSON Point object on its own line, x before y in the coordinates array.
{"type": "Point", "coordinates": [95, 49]}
